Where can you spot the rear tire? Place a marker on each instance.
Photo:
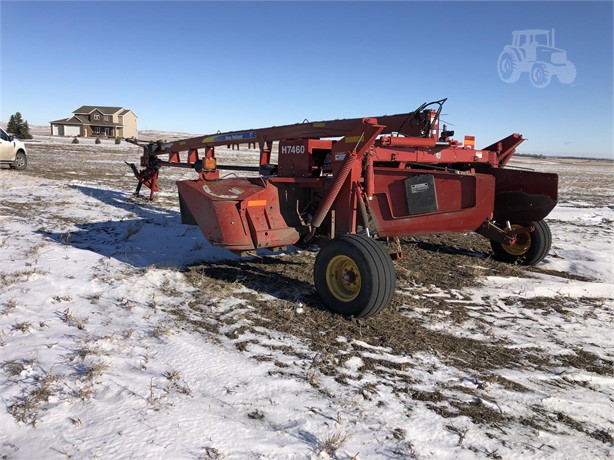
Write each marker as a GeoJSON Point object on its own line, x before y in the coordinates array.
{"type": "Point", "coordinates": [529, 249]}
{"type": "Point", "coordinates": [354, 276]}
{"type": "Point", "coordinates": [21, 161]}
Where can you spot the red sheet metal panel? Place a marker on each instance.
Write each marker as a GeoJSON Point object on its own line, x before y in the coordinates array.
{"type": "Point", "coordinates": [236, 214]}
{"type": "Point", "coordinates": [464, 201]}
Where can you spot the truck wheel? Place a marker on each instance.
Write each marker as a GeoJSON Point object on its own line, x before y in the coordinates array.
{"type": "Point", "coordinates": [529, 249]}
{"type": "Point", "coordinates": [354, 275]}
{"type": "Point", "coordinates": [508, 67]}
{"type": "Point", "coordinates": [540, 75]}
{"type": "Point", "coordinates": [20, 162]}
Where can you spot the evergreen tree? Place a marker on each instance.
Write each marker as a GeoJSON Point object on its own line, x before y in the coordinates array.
{"type": "Point", "coordinates": [11, 127]}
{"type": "Point", "coordinates": [18, 127]}
{"type": "Point", "coordinates": [25, 131]}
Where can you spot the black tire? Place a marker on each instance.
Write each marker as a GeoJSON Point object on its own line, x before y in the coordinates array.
{"type": "Point", "coordinates": [368, 280]}
{"type": "Point", "coordinates": [540, 75]}
{"type": "Point", "coordinates": [508, 67]}
{"type": "Point", "coordinates": [530, 249]}
{"type": "Point", "coordinates": [21, 161]}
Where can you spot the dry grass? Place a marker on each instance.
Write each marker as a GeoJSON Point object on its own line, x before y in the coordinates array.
{"type": "Point", "coordinates": [172, 375]}
{"type": "Point", "coordinates": [60, 299]}
{"type": "Point", "coordinates": [153, 398]}
{"type": "Point", "coordinates": [10, 307]}
{"type": "Point", "coordinates": [126, 334]}
{"type": "Point", "coordinates": [255, 415]}
{"type": "Point", "coordinates": [314, 379]}
{"type": "Point", "coordinates": [22, 326]}
{"type": "Point", "coordinates": [14, 368]}
{"type": "Point", "coordinates": [94, 298]}
{"type": "Point", "coordinates": [25, 408]}
{"type": "Point", "coordinates": [212, 453]}
{"type": "Point", "coordinates": [333, 442]}
{"type": "Point", "coordinates": [85, 392]}
{"type": "Point", "coordinates": [10, 279]}
{"type": "Point", "coordinates": [75, 321]}
{"type": "Point", "coordinates": [93, 370]}
{"type": "Point", "coordinates": [161, 330]}
{"type": "Point", "coordinates": [86, 350]}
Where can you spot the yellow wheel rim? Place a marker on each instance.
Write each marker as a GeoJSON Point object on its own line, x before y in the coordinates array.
{"type": "Point", "coordinates": [522, 244]}
{"type": "Point", "coordinates": [343, 278]}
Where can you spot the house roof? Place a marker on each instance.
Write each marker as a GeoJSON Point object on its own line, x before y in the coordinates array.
{"type": "Point", "coordinates": [77, 120]}
{"type": "Point", "coordinates": [125, 111]}
{"type": "Point", "coordinates": [74, 120]}
{"type": "Point", "coordinates": [87, 109]}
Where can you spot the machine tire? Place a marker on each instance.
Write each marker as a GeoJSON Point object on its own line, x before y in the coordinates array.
{"type": "Point", "coordinates": [540, 75]}
{"type": "Point", "coordinates": [368, 280]}
{"type": "Point", "coordinates": [530, 249]}
{"type": "Point", "coordinates": [508, 67]}
{"type": "Point", "coordinates": [21, 161]}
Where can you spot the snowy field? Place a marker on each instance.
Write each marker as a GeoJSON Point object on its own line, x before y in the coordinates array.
{"type": "Point", "coordinates": [124, 334]}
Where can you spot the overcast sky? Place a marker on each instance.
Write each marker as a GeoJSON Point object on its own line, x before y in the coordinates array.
{"type": "Point", "coordinates": [201, 67]}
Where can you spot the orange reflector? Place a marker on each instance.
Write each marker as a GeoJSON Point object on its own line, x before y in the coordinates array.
{"type": "Point", "coordinates": [256, 203]}
{"type": "Point", "coordinates": [210, 164]}
{"type": "Point", "coordinates": [470, 141]}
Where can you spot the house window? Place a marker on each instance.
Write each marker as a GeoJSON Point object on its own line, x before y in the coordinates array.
{"type": "Point", "coordinates": [107, 118]}
{"type": "Point", "coordinates": [96, 117]}
{"type": "Point", "coordinates": [97, 130]}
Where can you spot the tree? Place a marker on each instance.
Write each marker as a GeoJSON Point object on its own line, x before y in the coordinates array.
{"type": "Point", "coordinates": [19, 127]}
{"type": "Point", "coordinates": [12, 125]}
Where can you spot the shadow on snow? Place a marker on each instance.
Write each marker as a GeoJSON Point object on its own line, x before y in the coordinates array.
{"type": "Point", "coordinates": [152, 236]}
{"type": "Point", "coordinates": [147, 236]}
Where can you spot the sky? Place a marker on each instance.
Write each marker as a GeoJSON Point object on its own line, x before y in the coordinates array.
{"type": "Point", "coordinates": [200, 67]}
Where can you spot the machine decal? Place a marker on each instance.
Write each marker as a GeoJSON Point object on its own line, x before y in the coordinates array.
{"type": "Point", "coordinates": [210, 192]}
{"type": "Point", "coordinates": [230, 137]}
{"type": "Point", "coordinates": [296, 149]}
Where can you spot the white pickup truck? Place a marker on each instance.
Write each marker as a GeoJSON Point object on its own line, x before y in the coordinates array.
{"type": "Point", "coordinates": [12, 152]}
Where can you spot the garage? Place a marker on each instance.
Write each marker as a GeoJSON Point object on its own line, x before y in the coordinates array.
{"type": "Point", "coordinates": [72, 130]}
